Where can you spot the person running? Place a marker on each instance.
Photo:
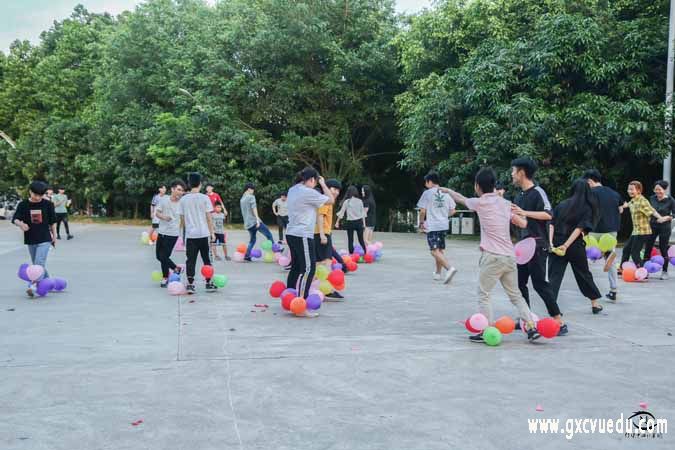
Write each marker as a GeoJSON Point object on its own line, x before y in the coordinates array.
{"type": "Point", "coordinates": [35, 216]}
{"type": "Point", "coordinates": [497, 260]}
{"type": "Point", "coordinates": [664, 205]}
{"type": "Point", "coordinates": [195, 210]}
{"type": "Point", "coordinates": [153, 204]}
{"type": "Point", "coordinates": [371, 213]}
{"type": "Point", "coordinates": [352, 208]}
{"type": "Point", "coordinates": [641, 212]}
{"type": "Point", "coordinates": [303, 202]}
{"type": "Point", "coordinates": [218, 217]}
{"type": "Point", "coordinates": [323, 242]}
{"type": "Point", "coordinates": [215, 199]}
{"type": "Point", "coordinates": [169, 229]}
{"type": "Point", "coordinates": [61, 203]}
{"type": "Point", "coordinates": [280, 210]}
{"type": "Point", "coordinates": [532, 204]}
{"type": "Point", "coordinates": [609, 222]}
{"type": "Point", "coordinates": [435, 209]}
{"type": "Point", "coordinates": [574, 217]}
{"type": "Point", "coordinates": [252, 222]}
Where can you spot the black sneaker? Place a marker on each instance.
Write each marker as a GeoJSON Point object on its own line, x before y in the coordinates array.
{"type": "Point", "coordinates": [190, 289]}
{"type": "Point", "coordinates": [596, 309]}
{"type": "Point", "coordinates": [58, 237]}
{"type": "Point", "coordinates": [334, 295]}
{"type": "Point", "coordinates": [517, 324]}
{"type": "Point", "coordinates": [210, 287]}
{"type": "Point", "coordinates": [164, 283]}
{"type": "Point", "coordinates": [563, 330]}
{"type": "Point", "coordinates": [247, 258]}
{"type": "Point", "coordinates": [533, 334]}
{"type": "Point", "coordinates": [70, 236]}
{"type": "Point", "coordinates": [476, 338]}
{"type": "Point", "coordinates": [611, 296]}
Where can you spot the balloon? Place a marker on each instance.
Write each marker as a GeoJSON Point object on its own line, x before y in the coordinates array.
{"type": "Point", "coordinates": [145, 234]}
{"type": "Point", "coordinates": [220, 280]}
{"type": "Point", "coordinates": [607, 243]}
{"type": "Point", "coordinates": [352, 266]}
{"type": "Point", "coordinates": [268, 257]}
{"type": "Point", "coordinates": [277, 288]}
{"type": "Point", "coordinates": [34, 272]}
{"type": "Point", "coordinates": [492, 336]}
{"type": "Point", "coordinates": [359, 250]}
{"type": "Point", "coordinates": [298, 305]}
{"type": "Point", "coordinates": [174, 277]}
{"type": "Point", "coordinates": [44, 286]}
{"type": "Point", "coordinates": [658, 259]}
{"type": "Point", "coordinates": [241, 248]}
{"type": "Point", "coordinates": [322, 272]}
{"type": "Point", "coordinates": [238, 257]}
{"type": "Point", "coordinates": [284, 261]}
{"type": "Point", "coordinates": [313, 302]}
{"type": "Point", "coordinates": [175, 288]}
{"type": "Point", "coordinates": [347, 259]}
{"type": "Point", "coordinates": [525, 250]}
{"type": "Point", "coordinates": [326, 287]}
{"type": "Point", "coordinates": [156, 276]}
{"type": "Point", "coordinates": [548, 327]}
{"type": "Point", "coordinates": [315, 285]}
{"type": "Point", "coordinates": [593, 253]}
{"type": "Point", "coordinates": [628, 265]}
{"type": "Point", "coordinates": [276, 257]}
{"type": "Point", "coordinates": [145, 239]}
{"type": "Point", "coordinates": [336, 266]}
{"type": "Point", "coordinates": [591, 241]}
{"type": "Point", "coordinates": [672, 261]}
{"type": "Point", "coordinates": [379, 245]}
{"type": "Point", "coordinates": [671, 251]}
{"type": "Point", "coordinates": [286, 301]}
{"type": "Point", "coordinates": [336, 277]}
{"type": "Point", "coordinates": [207, 272]}
{"type": "Point", "coordinates": [276, 248]}
{"type": "Point", "coordinates": [468, 326]}
{"type": "Point", "coordinates": [652, 267]}
{"type": "Point", "coordinates": [60, 284]}
{"type": "Point", "coordinates": [372, 248]}
{"type": "Point", "coordinates": [628, 274]}
{"type": "Point", "coordinates": [478, 322]}
{"type": "Point", "coordinates": [287, 296]}
{"type": "Point", "coordinates": [505, 324]}
{"type": "Point", "coordinates": [340, 287]}
{"type": "Point", "coordinates": [369, 258]}
{"type": "Point", "coordinates": [654, 252]}
{"type": "Point", "coordinates": [22, 272]}
{"type": "Point", "coordinates": [153, 236]}
{"type": "Point", "coordinates": [361, 259]}
{"type": "Point", "coordinates": [641, 274]}
{"type": "Point", "coordinates": [267, 245]}
{"type": "Point", "coordinates": [180, 245]}
{"type": "Point", "coordinates": [256, 253]}
{"type": "Point", "coordinates": [343, 252]}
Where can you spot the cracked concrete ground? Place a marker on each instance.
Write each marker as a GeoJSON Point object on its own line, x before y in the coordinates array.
{"type": "Point", "coordinates": [389, 368]}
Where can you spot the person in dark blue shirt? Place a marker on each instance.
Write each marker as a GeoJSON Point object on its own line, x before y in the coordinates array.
{"type": "Point", "coordinates": [664, 204]}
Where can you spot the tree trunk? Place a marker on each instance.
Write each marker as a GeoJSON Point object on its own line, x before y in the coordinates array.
{"type": "Point", "coordinates": [135, 209]}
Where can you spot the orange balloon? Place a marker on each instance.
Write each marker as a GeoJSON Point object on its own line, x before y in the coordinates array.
{"type": "Point", "coordinates": [241, 248]}
{"type": "Point", "coordinates": [347, 259]}
{"type": "Point", "coordinates": [628, 274]}
{"type": "Point", "coordinates": [298, 305]}
{"type": "Point", "coordinates": [153, 236]}
{"type": "Point", "coordinates": [505, 324]}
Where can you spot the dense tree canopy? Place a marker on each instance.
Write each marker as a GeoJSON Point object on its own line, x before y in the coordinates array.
{"type": "Point", "coordinates": [252, 90]}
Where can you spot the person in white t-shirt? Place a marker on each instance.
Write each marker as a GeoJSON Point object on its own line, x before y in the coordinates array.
{"type": "Point", "coordinates": [161, 192]}
{"type": "Point", "coordinates": [168, 231]}
{"type": "Point", "coordinates": [435, 209]}
{"type": "Point", "coordinates": [303, 201]}
{"type": "Point", "coordinates": [195, 218]}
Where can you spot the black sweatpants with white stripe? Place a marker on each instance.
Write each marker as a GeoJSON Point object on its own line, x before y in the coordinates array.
{"type": "Point", "coordinates": [303, 264]}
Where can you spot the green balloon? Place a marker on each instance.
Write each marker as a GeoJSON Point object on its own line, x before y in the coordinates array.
{"type": "Point", "coordinates": [220, 280]}
{"type": "Point", "coordinates": [156, 276]}
{"type": "Point", "coordinates": [607, 242]}
{"type": "Point", "coordinates": [267, 245]}
{"type": "Point", "coordinates": [492, 336]}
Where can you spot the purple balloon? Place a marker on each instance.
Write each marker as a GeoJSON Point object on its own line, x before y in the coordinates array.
{"type": "Point", "coordinates": [593, 253]}
{"type": "Point", "coordinates": [652, 268]}
{"type": "Point", "coordinates": [44, 286]}
{"type": "Point", "coordinates": [287, 290]}
{"type": "Point", "coordinates": [276, 248]}
{"type": "Point", "coordinates": [672, 261]}
{"type": "Point", "coordinates": [59, 284]}
{"type": "Point", "coordinates": [313, 301]}
{"type": "Point", "coordinates": [256, 253]}
{"type": "Point", "coordinates": [336, 266]}
{"type": "Point", "coordinates": [359, 250]}
{"type": "Point", "coordinates": [22, 272]}
{"type": "Point", "coordinates": [658, 259]}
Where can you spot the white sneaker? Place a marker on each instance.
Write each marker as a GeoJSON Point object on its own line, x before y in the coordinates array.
{"type": "Point", "coordinates": [448, 276]}
{"type": "Point", "coordinates": [437, 276]}
{"type": "Point", "coordinates": [664, 276]}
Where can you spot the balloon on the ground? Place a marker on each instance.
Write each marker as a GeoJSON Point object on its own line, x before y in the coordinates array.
{"type": "Point", "coordinates": [276, 248]}
{"type": "Point", "coordinates": [359, 250]}
{"type": "Point", "coordinates": [654, 252]}
{"type": "Point", "coordinates": [379, 245]}
{"type": "Point", "coordinates": [372, 248]}
{"type": "Point", "coordinates": [156, 276]}
{"type": "Point", "coordinates": [352, 266]}
{"type": "Point", "coordinates": [467, 324]}
{"type": "Point", "coordinates": [321, 272]}
{"type": "Point", "coordinates": [343, 252]}
{"type": "Point", "coordinates": [658, 259]}
{"type": "Point", "coordinates": [241, 248]}
{"type": "Point", "coordinates": [34, 272]}
{"type": "Point", "coordinates": [336, 277]}
{"type": "Point", "coordinates": [593, 253]}
{"type": "Point", "coordinates": [256, 253]}
{"type": "Point", "coordinates": [298, 305]}
{"type": "Point", "coordinates": [505, 324]}
{"type": "Point", "coordinates": [176, 288]}
{"type": "Point", "coordinates": [238, 257]}
{"type": "Point", "coordinates": [286, 301]}
{"type": "Point", "coordinates": [339, 287]}
{"type": "Point", "coordinates": [207, 272]}
{"type": "Point", "coordinates": [607, 242]}
{"type": "Point", "coordinates": [641, 274]}
{"type": "Point", "coordinates": [672, 261]}
{"type": "Point", "coordinates": [369, 258]}
{"type": "Point", "coordinates": [525, 250]}
{"type": "Point", "coordinates": [652, 267]}
{"type": "Point", "coordinates": [220, 280]}
{"type": "Point", "coordinates": [284, 261]}
{"type": "Point", "coordinates": [336, 266]}
{"type": "Point", "coordinates": [288, 295]}
{"type": "Point", "coordinates": [478, 321]}
{"type": "Point", "coordinates": [628, 265]}
{"type": "Point", "coordinates": [628, 274]}
{"type": "Point", "coordinates": [277, 288]}
{"type": "Point", "coordinates": [59, 284]}
{"type": "Point", "coordinates": [347, 258]}
{"type": "Point", "coordinates": [326, 287]}
{"type": "Point", "coordinates": [21, 273]}
{"type": "Point", "coordinates": [313, 302]}
{"type": "Point", "coordinates": [44, 286]}
{"type": "Point", "coordinates": [266, 245]}
{"type": "Point", "coordinates": [492, 336]}
{"type": "Point", "coordinates": [174, 277]}
{"type": "Point", "coordinates": [671, 251]}
{"type": "Point", "coordinates": [268, 257]}
{"type": "Point", "coordinates": [548, 327]}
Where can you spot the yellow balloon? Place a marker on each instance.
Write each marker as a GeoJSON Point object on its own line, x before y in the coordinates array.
{"type": "Point", "coordinates": [322, 272]}
{"type": "Point", "coordinates": [591, 241]}
{"type": "Point", "coordinates": [325, 287]}
{"type": "Point", "coordinates": [607, 242]}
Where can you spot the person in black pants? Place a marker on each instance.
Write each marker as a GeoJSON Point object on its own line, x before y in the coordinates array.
{"type": "Point", "coordinates": [353, 208]}
{"type": "Point", "coordinates": [532, 203]}
{"type": "Point", "coordinates": [664, 205]}
{"type": "Point", "coordinates": [571, 219]}
{"type": "Point", "coordinates": [280, 210]}
{"type": "Point", "coordinates": [169, 229]}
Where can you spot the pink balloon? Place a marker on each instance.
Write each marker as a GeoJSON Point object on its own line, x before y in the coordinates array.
{"type": "Point", "coordinates": [641, 274]}
{"type": "Point", "coordinates": [180, 245]}
{"type": "Point", "coordinates": [478, 322]}
{"type": "Point", "coordinates": [535, 318]}
{"type": "Point", "coordinates": [671, 251]}
{"type": "Point", "coordinates": [628, 265]}
{"type": "Point", "coordinates": [238, 257]}
{"type": "Point", "coordinates": [34, 272]}
{"type": "Point", "coordinates": [315, 285]}
{"type": "Point", "coordinates": [379, 245]}
{"type": "Point", "coordinates": [277, 256]}
{"type": "Point", "coordinates": [284, 261]}
{"type": "Point", "coordinates": [176, 288]}
{"type": "Point", "coordinates": [525, 250]}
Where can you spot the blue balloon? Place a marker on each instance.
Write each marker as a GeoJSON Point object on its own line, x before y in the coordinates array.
{"type": "Point", "coordinates": [174, 277]}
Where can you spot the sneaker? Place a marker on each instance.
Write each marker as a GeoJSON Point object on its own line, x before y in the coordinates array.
{"type": "Point", "coordinates": [335, 295]}
{"type": "Point", "coordinates": [227, 258]}
{"type": "Point", "coordinates": [210, 287]}
{"type": "Point", "coordinates": [596, 309]}
{"type": "Point", "coordinates": [247, 258]}
{"type": "Point", "coordinates": [190, 289]}
{"type": "Point", "coordinates": [609, 261]}
{"type": "Point", "coordinates": [58, 237]}
{"type": "Point", "coordinates": [164, 283]}
{"type": "Point", "coordinates": [476, 338]}
{"type": "Point", "coordinates": [448, 276]}
{"type": "Point", "coordinates": [611, 296]}
{"type": "Point", "coordinates": [533, 334]}
{"type": "Point", "coordinates": [29, 292]}
{"type": "Point", "coordinates": [664, 276]}
{"type": "Point", "coordinates": [563, 330]}
{"type": "Point", "coordinates": [437, 276]}
{"type": "Point", "coordinates": [518, 324]}
{"type": "Point", "coordinates": [70, 236]}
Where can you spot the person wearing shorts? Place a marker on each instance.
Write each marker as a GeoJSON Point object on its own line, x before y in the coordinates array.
{"type": "Point", "coordinates": [435, 209]}
{"type": "Point", "coordinates": [218, 217]}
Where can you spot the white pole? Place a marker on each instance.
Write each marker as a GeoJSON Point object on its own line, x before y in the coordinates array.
{"type": "Point", "coordinates": [667, 163]}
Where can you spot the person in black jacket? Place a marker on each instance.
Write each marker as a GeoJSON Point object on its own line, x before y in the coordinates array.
{"type": "Point", "coordinates": [664, 204]}
{"type": "Point", "coordinates": [37, 219]}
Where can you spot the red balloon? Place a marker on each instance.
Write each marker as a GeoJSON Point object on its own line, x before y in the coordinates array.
{"type": "Point", "coordinates": [355, 256]}
{"type": "Point", "coordinates": [369, 258]}
{"type": "Point", "coordinates": [286, 301]}
{"type": "Point", "coordinates": [352, 266]}
{"type": "Point", "coordinates": [655, 252]}
{"type": "Point", "coordinates": [468, 326]}
{"type": "Point", "coordinates": [336, 277]}
{"type": "Point", "coordinates": [277, 288]}
{"type": "Point", "coordinates": [548, 327]}
{"type": "Point", "coordinates": [207, 271]}
{"type": "Point", "coordinates": [339, 287]}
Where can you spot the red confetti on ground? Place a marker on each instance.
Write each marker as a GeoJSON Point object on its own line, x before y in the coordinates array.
{"type": "Point", "coordinates": [643, 405]}
{"type": "Point", "coordinates": [539, 408]}
{"type": "Point", "coordinates": [138, 422]}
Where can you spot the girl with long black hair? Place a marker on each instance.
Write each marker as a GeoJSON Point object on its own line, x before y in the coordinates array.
{"type": "Point", "coordinates": [352, 208]}
{"type": "Point", "coordinates": [574, 217]}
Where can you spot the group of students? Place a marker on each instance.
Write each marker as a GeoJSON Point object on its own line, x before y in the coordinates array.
{"type": "Point", "coordinates": [590, 209]}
